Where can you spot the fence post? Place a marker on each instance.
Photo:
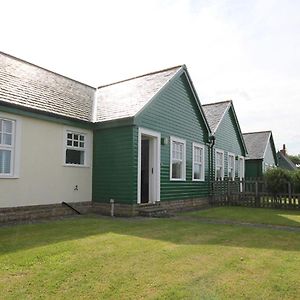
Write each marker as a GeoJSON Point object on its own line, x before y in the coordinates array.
{"type": "Point", "coordinates": [228, 192]}
{"type": "Point", "coordinates": [256, 193]}
{"type": "Point", "coordinates": [290, 194]}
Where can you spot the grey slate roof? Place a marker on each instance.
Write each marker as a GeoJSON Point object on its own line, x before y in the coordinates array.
{"type": "Point", "coordinates": [284, 162]}
{"type": "Point", "coordinates": [214, 113]}
{"type": "Point", "coordinates": [256, 143]}
{"type": "Point", "coordinates": [126, 98]}
{"type": "Point", "coordinates": [26, 85]}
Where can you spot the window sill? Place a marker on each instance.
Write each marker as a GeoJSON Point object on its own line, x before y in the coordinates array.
{"type": "Point", "coordinates": [198, 180]}
{"type": "Point", "coordinates": [9, 177]}
{"type": "Point", "coordinates": [179, 179]}
{"type": "Point", "coordinates": [76, 166]}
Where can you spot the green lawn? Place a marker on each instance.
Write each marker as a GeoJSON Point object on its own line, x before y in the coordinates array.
{"type": "Point", "coordinates": [102, 258]}
{"type": "Point", "coordinates": [251, 215]}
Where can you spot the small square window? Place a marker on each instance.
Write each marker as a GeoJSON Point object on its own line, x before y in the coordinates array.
{"type": "Point", "coordinates": [75, 151]}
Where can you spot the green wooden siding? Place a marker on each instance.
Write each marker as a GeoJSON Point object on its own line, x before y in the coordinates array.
{"type": "Point", "coordinates": [113, 165]}
{"type": "Point", "coordinates": [253, 168]}
{"type": "Point", "coordinates": [228, 139]}
{"type": "Point", "coordinates": [175, 113]}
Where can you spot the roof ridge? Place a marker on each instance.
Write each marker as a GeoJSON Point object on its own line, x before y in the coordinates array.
{"type": "Point", "coordinates": [140, 76]}
{"type": "Point", "coordinates": [47, 70]}
{"type": "Point", "coordinates": [219, 102]}
{"type": "Point", "coordinates": [253, 132]}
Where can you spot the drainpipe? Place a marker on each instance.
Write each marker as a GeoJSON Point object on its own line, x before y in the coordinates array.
{"type": "Point", "coordinates": [212, 140]}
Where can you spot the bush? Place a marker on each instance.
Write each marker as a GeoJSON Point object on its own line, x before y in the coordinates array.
{"type": "Point", "coordinates": [296, 181]}
{"type": "Point", "coordinates": [277, 180]}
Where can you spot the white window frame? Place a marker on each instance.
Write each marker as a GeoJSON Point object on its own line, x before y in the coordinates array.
{"type": "Point", "coordinates": [202, 163]}
{"type": "Point", "coordinates": [14, 147]}
{"type": "Point", "coordinates": [241, 176]}
{"type": "Point", "coordinates": [220, 152]}
{"type": "Point", "coordinates": [178, 140]}
{"type": "Point", "coordinates": [228, 161]}
{"type": "Point", "coordinates": [86, 149]}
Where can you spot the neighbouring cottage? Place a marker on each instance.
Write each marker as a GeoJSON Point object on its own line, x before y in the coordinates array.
{"type": "Point", "coordinates": [150, 143]}
{"type": "Point", "coordinates": [45, 136]}
{"type": "Point", "coordinates": [140, 141]}
{"type": "Point", "coordinates": [284, 161]}
{"type": "Point", "coordinates": [261, 151]}
{"type": "Point", "coordinates": [229, 147]}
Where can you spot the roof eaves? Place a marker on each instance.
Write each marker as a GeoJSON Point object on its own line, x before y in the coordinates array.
{"type": "Point", "coordinates": [239, 129]}
{"type": "Point", "coordinates": [197, 98]}
{"type": "Point", "coordinates": [222, 117]}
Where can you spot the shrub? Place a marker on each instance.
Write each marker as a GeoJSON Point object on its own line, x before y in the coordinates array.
{"type": "Point", "coordinates": [277, 180]}
{"type": "Point", "coordinates": [296, 181]}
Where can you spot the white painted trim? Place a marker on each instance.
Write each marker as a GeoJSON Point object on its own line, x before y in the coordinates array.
{"type": "Point", "coordinates": [219, 151]}
{"type": "Point", "coordinates": [155, 185]}
{"type": "Point", "coordinates": [202, 177]}
{"type": "Point", "coordinates": [243, 173]}
{"type": "Point", "coordinates": [233, 155]}
{"type": "Point", "coordinates": [95, 106]}
{"type": "Point", "coordinates": [16, 146]}
{"type": "Point", "coordinates": [87, 149]}
{"type": "Point", "coordinates": [178, 140]}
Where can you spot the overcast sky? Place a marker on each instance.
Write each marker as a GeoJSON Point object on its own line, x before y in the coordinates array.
{"type": "Point", "coordinates": [247, 51]}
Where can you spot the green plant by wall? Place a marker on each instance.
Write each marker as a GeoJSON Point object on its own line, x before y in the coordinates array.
{"type": "Point", "coordinates": [277, 180]}
{"type": "Point", "coordinates": [296, 180]}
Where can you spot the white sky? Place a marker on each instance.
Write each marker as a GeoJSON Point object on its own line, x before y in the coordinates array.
{"type": "Point", "coordinates": [247, 51]}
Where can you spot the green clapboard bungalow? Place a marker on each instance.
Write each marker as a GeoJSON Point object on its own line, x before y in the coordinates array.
{"type": "Point", "coordinates": [262, 153]}
{"type": "Point", "coordinates": [150, 143]}
{"type": "Point", "coordinates": [229, 147]}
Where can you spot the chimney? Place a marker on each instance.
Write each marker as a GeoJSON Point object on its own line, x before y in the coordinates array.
{"type": "Point", "coordinates": [283, 151]}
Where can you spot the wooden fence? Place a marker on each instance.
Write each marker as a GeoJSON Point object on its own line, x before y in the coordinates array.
{"type": "Point", "coordinates": [252, 193]}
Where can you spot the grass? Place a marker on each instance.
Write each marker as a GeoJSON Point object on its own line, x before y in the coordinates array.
{"type": "Point", "coordinates": [251, 215]}
{"type": "Point", "coordinates": [102, 258]}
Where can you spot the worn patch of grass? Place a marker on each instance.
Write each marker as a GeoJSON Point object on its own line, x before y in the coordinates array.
{"type": "Point", "coordinates": [251, 215]}
{"type": "Point", "coordinates": [103, 258]}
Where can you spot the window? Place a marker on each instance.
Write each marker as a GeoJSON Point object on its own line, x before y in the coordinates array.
{"type": "Point", "coordinates": [198, 162]}
{"type": "Point", "coordinates": [241, 167]}
{"type": "Point", "coordinates": [219, 164]}
{"type": "Point", "coordinates": [231, 165]}
{"type": "Point", "coordinates": [177, 164]}
{"type": "Point", "coordinates": [7, 138]}
{"type": "Point", "coordinates": [75, 148]}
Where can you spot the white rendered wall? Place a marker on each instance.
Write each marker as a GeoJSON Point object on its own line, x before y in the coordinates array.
{"type": "Point", "coordinates": [42, 177]}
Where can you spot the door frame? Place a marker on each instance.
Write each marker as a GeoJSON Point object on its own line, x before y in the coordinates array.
{"type": "Point", "coordinates": [154, 158]}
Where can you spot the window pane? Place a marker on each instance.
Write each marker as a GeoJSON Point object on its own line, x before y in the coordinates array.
{"type": "Point", "coordinates": [177, 170]}
{"type": "Point", "coordinates": [76, 137]}
{"type": "Point", "coordinates": [7, 139]}
{"type": "Point", "coordinates": [69, 142]}
{"type": "Point", "coordinates": [5, 161]}
{"type": "Point", "coordinates": [74, 157]}
{"type": "Point", "coordinates": [75, 144]}
{"type": "Point", "coordinates": [197, 171]}
{"type": "Point", "coordinates": [7, 126]}
{"type": "Point", "coordinates": [69, 135]}
{"type": "Point", "coordinates": [81, 144]}
{"type": "Point", "coordinates": [82, 138]}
